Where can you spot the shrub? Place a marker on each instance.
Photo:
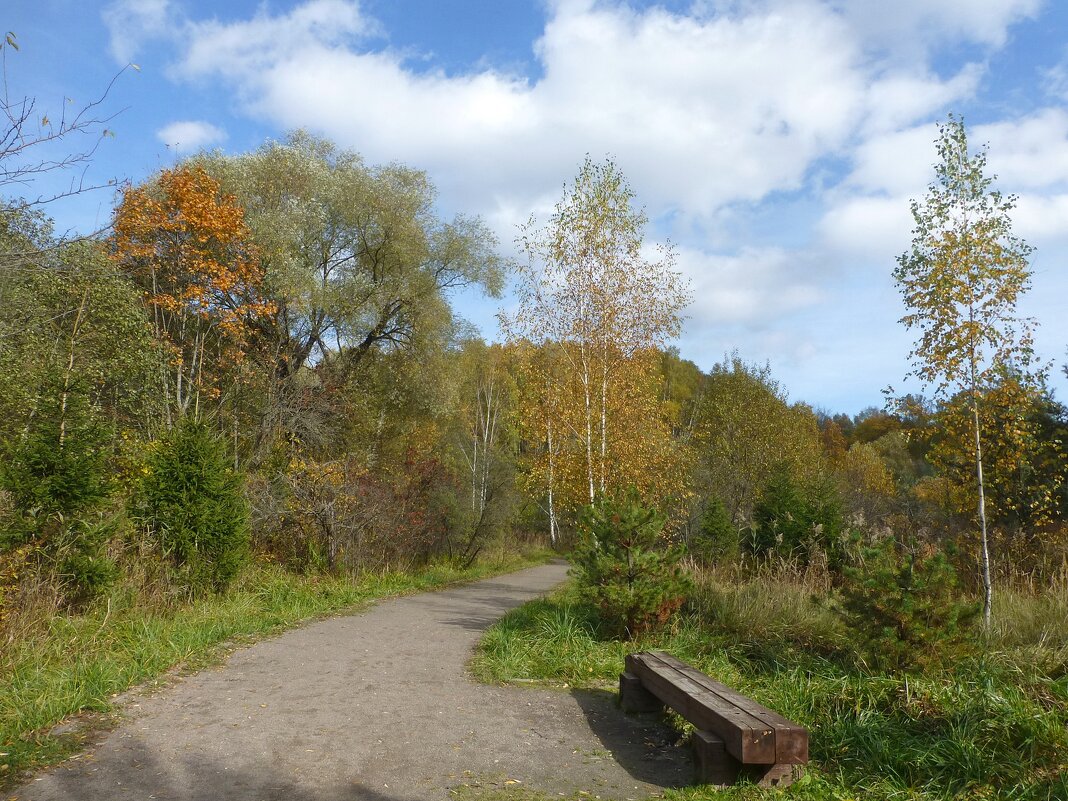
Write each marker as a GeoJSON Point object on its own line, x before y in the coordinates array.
{"type": "Point", "coordinates": [51, 483]}
{"type": "Point", "coordinates": [904, 606]}
{"type": "Point", "coordinates": [626, 567]}
{"type": "Point", "coordinates": [60, 466]}
{"type": "Point", "coordinates": [82, 564]}
{"type": "Point", "coordinates": [790, 520]}
{"type": "Point", "coordinates": [716, 541]}
{"type": "Point", "coordinates": [193, 503]}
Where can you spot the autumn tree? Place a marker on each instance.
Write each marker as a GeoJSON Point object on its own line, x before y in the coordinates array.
{"type": "Point", "coordinates": [188, 247]}
{"type": "Point", "coordinates": [744, 427]}
{"type": "Point", "coordinates": [356, 262]}
{"type": "Point", "coordinates": [589, 297]}
{"type": "Point", "coordinates": [960, 282]}
{"type": "Point", "coordinates": [551, 475]}
{"type": "Point", "coordinates": [1023, 458]}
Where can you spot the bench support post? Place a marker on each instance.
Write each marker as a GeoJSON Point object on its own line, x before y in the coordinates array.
{"type": "Point", "coordinates": [714, 764]}
{"type": "Point", "coordinates": [774, 775]}
{"type": "Point", "coordinates": [633, 697]}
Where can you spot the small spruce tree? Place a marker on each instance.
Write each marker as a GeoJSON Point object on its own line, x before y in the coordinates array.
{"type": "Point", "coordinates": [192, 501]}
{"type": "Point", "coordinates": [904, 605]}
{"type": "Point", "coordinates": [789, 519]}
{"type": "Point", "coordinates": [56, 482]}
{"type": "Point", "coordinates": [60, 467]}
{"type": "Point", "coordinates": [779, 515]}
{"type": "Point", "coordinates": [716, 541]}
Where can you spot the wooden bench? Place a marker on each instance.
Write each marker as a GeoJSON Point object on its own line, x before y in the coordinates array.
{"type": "Point", "coordinates": [735, 735]}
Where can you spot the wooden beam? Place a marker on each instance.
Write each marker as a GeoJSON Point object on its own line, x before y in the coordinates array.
{"type": "Point", "coordinates": [791, 739]}
{"type": "Point", "coordinates": [746, 737]}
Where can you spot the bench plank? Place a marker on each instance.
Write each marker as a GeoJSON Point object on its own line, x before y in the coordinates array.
{"type": "Point", "coordinates": [791, 739]}
{"type": "Point", "coordinates": [747, 737]}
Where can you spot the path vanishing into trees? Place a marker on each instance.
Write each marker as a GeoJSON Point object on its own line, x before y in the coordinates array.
{"type": "Point", "coordinates": [374, 706]}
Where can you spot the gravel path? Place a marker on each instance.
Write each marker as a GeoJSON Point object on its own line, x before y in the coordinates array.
{"type": "Point", "coordinates": [375, 706]}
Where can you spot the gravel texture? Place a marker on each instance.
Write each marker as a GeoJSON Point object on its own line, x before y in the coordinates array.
{"type": "Point", "coordinates": [377, 705]}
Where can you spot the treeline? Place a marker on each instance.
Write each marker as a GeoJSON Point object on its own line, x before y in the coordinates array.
{"type": "Point", "coordinates": [260, 358]}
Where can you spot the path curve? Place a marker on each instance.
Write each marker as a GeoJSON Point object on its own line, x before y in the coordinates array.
{"type": "Point", "coordinates": [374, 706]}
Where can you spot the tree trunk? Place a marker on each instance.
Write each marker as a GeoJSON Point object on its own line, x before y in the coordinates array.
{"type": "Point", "coordinates": [604, 422]}
{"type": "Point", "coordinates": [552, 478]}
{"type": "Point", "coordinates": [65, 397]}
{"type": "Point", "coordinates": [984, 540]}
{"type": "Point", "coordinates": [589, 427]}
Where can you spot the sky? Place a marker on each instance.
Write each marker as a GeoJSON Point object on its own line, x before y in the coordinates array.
{"type": "Point", "coordinates": [775, 143]}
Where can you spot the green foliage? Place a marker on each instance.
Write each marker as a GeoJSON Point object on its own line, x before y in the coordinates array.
{"type": "Point", "coordinates": [793, 521]}
{"type": "Point", "coordinates": [66, 311]}
{"type": "Point", "coordinates": [55, 478]}
{"type": "Point", "coordinates": [625, 566]}
{"type": "Point", "coordinates": [193, 502]}
{"type": "Point", "coordinates": [717, 540]}
{"type": "Point", "coordinates": [82, 564]}
{"type": "Point", "coordinates": [904, 606]}
{"type": "Point", "coordinates": [743, 427]}
{"type": "Point", "coordinates": [60, 466]}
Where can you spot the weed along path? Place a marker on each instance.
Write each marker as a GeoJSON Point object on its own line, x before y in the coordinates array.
{"type": "Point", "coordinates": [377, 706]}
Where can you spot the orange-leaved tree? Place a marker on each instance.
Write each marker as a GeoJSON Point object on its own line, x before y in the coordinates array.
{"type": "Point", "coordinates": [188, 247]}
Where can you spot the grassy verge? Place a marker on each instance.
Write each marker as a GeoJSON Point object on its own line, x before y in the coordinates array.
{"type": "Point", "coordinates": [994, 725]}
{"type": "Point", "coordinates": [82, 662]}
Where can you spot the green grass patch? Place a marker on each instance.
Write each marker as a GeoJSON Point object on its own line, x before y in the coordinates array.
{"type": "Point", "coordinates": [83, 661]}
{"type": "Point", "coordinates": [992, 725]}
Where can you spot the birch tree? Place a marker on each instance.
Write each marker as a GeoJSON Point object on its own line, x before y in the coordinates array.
{"type": "Point", "coordinates": [589, 293]}
{"type": "Point", "coordinates": [960, 282]}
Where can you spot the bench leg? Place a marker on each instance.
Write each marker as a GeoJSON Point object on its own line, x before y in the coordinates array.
{"type": "Point", "coordinates": [635, 698]}
{"type": "Point", "coordinates": [714, 764]}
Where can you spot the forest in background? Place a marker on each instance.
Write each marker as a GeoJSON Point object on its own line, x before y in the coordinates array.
{"type": "Point", "coordinates": [276, 326]}
{"type": "Point", "coordinates": [258, 364]}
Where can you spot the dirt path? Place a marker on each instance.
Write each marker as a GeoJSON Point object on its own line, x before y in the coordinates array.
{"type": "Point", "coordinates": [376, 706]}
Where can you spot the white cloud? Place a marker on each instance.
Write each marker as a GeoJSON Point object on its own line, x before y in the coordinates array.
{"type": "Point", "coordinates": [189, 136]}
{"type": "Point", "coordinates": [751, 288]}
{"type": "Point", "coordinates": [701, 110]}
{"type": "Point", "coordinates": [903, 29]}
{"type": "Point", "coordinates": [131, 23]}
{"type": "Point", "coordinates": [700, 113]}
{"type": "Point", "coordinates": [242, 49]}
{"type": "Point", "coordinates": [1027, 153]}
{"type": "Point", "coordinates": [1042, 219]}
{"type": "Point", "coordinates": [899, 24]}
{"type": "Point", "coordinates": [900, 97]}
{"type": "Point", "coordinates": [867, 231]}
{"type": "Point", "coordinates": [898, 163]}
{"type": "Point", "coordinates": [711, 114]}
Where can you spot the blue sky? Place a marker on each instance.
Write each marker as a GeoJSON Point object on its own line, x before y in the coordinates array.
{"type": "Point", "coordinates": [776, 142]}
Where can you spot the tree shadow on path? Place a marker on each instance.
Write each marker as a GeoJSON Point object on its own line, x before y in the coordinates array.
{"type": "Point", "coordinates": [203, 777]}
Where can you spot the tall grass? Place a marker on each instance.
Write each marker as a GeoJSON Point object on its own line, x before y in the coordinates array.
{"type": "Point", "coordinates": [991, 725]}
{"type": "Point", "coordinates": [78, 663]}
